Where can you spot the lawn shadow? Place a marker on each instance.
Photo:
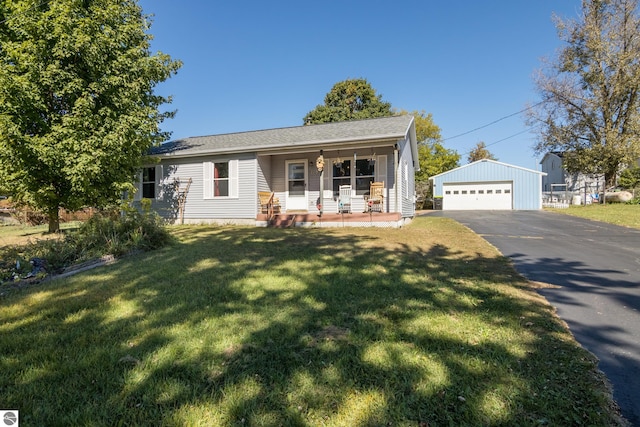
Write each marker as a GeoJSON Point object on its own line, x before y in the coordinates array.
{"type": "Point", "coordinates": [251, 326]}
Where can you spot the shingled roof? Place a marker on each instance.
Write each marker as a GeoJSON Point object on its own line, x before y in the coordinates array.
{"type": "Point", "coordinates": [385, 128]}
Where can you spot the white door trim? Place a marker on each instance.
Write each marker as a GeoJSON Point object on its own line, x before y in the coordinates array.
{"type": "Point", "coordinates": [297, 192]}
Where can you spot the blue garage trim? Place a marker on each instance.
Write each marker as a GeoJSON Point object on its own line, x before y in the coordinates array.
{"type": "Point", "coordinates": [527, 183]}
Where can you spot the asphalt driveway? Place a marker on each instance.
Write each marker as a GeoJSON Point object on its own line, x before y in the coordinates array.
{"type": "Point", "coordinates": [596, 270]}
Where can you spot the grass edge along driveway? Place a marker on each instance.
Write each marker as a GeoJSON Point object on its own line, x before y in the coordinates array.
{"type": "Point", "coordinates": [425, 325]}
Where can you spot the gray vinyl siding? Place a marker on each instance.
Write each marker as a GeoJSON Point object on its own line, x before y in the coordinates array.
{"type": "Point", "coordinates": [166, 204]}
{"type": "Point", "coordinates": [552, 165]}
{"type": "Point", "coordinates": [197, 208]}
{"type": "Point", "coordinates": [263, 173]}
{"type": "Point", "coordinates": [261, 166]}
{"type": "Point", "coordinates": [406, 180]}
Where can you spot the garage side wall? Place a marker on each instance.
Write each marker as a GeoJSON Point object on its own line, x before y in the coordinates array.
{"type": "Point", "coordinates": [527, 183]}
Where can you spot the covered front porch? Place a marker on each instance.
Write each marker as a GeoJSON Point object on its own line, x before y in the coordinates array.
{"type": "Point", "coordinates": [297, 184]}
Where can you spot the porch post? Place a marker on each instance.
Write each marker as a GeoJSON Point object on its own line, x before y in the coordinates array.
{"type": "Point", "coordinates": [320, 167]}
{"type": "Point", "coordinates": [321, 190]}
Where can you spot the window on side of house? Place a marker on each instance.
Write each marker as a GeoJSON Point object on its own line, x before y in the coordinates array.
{"type": "Point", "coordinates": [220, 179]}
{"type": "Point", "coordinates": [149, 183]}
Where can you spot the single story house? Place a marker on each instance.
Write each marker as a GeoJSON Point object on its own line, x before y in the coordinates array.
{"type": "Point", "coordinates": [217, 178]}
{"type": "Point", "coordinates": [489, 185]}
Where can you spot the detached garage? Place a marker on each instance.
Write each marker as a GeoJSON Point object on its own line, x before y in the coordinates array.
{"type": "Point", "coordinates": [489, 185]}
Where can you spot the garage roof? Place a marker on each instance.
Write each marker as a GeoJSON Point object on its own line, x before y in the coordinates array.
{"type": "Point", "coordinates": [485, 161]}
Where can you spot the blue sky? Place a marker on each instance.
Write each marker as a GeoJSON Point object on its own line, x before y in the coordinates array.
{"type": "Point", "coordinates": [257, 65]}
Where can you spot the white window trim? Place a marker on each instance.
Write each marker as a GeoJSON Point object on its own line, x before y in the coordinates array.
{"type": "Point", "coordinates": [207, 174]}
{"type": "Point", "coordinates": [159, 193]}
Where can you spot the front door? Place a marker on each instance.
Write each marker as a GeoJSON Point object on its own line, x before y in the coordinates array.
{"type": "Point", "coordinates": [297, 185]}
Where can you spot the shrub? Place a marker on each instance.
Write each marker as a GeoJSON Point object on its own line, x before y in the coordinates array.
{"type": "Point", "coordinates": [630, 178]}
{"type": "Point", "coordinates": [634, 201]}
{"type": "Point", "coordinates": [107, 233]}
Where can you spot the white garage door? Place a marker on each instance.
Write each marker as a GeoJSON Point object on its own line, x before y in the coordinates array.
{"type": "Point", "coordinates": [478, 196]}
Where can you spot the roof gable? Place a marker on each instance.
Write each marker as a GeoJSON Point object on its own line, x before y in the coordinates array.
{"type": "Point", "coordinates": [557, 154]}
{"type": "Point", "coordinates": [385, 128]}
{"type": "Point", "coordinates": [486, 161]}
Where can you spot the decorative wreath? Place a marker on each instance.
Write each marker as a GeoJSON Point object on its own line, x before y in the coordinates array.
{"type": "Point", "coordinates": [320, 163]}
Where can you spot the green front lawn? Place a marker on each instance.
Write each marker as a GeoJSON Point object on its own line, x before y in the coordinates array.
{"type": "Point", "coordinates": [426, 325]}
{"type": "Point", "coordinates": [22, 234]}
{"type": "Point", "coordinates": [614, 213]}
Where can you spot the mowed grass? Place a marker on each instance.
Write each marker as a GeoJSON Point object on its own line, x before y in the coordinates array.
{"type": "Point", "coordinates": [425, 325]}
{"type": "Point", "coordinates": [614, 213]}
{"type": "Point", "coordinates": [21, 234]}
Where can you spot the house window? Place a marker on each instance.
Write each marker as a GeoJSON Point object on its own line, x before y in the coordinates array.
{"type": "Point", "coordinates": [341, 175]}
{"type": "Point", "coordinates": [149, 183]}
{"type": "Point", "coordinates": [221, 179]}
{"type": "Point", "coordinates": [365, 175]}
{"type": "Point", "coordinates": [359, 173]}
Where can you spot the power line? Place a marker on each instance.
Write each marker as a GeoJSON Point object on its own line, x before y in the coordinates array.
{"type": "Point", "coordinates": [493, 122]}
{"type": "Point", "coordinates": [501, 140]}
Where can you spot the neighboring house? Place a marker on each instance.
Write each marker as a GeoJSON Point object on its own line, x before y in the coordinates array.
{"type": "Point", "coordinates": [558, 179]}
{"type": "Point", "coordinates": [489, 185]}
{"type": "Point", "coordinates": [227, 171]}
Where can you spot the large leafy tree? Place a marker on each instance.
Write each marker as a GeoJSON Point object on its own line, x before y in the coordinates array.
{"type": "Point", "coordinates": [479, 152]}
{"type": "Point", "coordinates": [630, 178]}
{"type": "Point", "coordinates": [351, 99]}
{"type": "Point", "coordinates": [590, 105]}
{"type": "Point", "coordinates": [434, 159]}
{"type": "Point", "coordinates": [433, 156]}
{"type": "Point", "coordinates": [356, 99]}
{"type": "Point", "coordinates": [77, 106]}
{"type": "Point", "coordinates": [426, 129]}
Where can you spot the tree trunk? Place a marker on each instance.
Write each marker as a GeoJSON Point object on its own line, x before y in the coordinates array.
{"type": "Point", "coordinates": [54, 219]}
{"type": "Point", "coordinates": [610, 178]}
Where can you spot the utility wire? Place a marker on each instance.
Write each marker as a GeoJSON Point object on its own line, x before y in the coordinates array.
{"type": "Point", "coordinates": [501, 140]}
{"type": "Point", "coordinates": [493, 122]}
